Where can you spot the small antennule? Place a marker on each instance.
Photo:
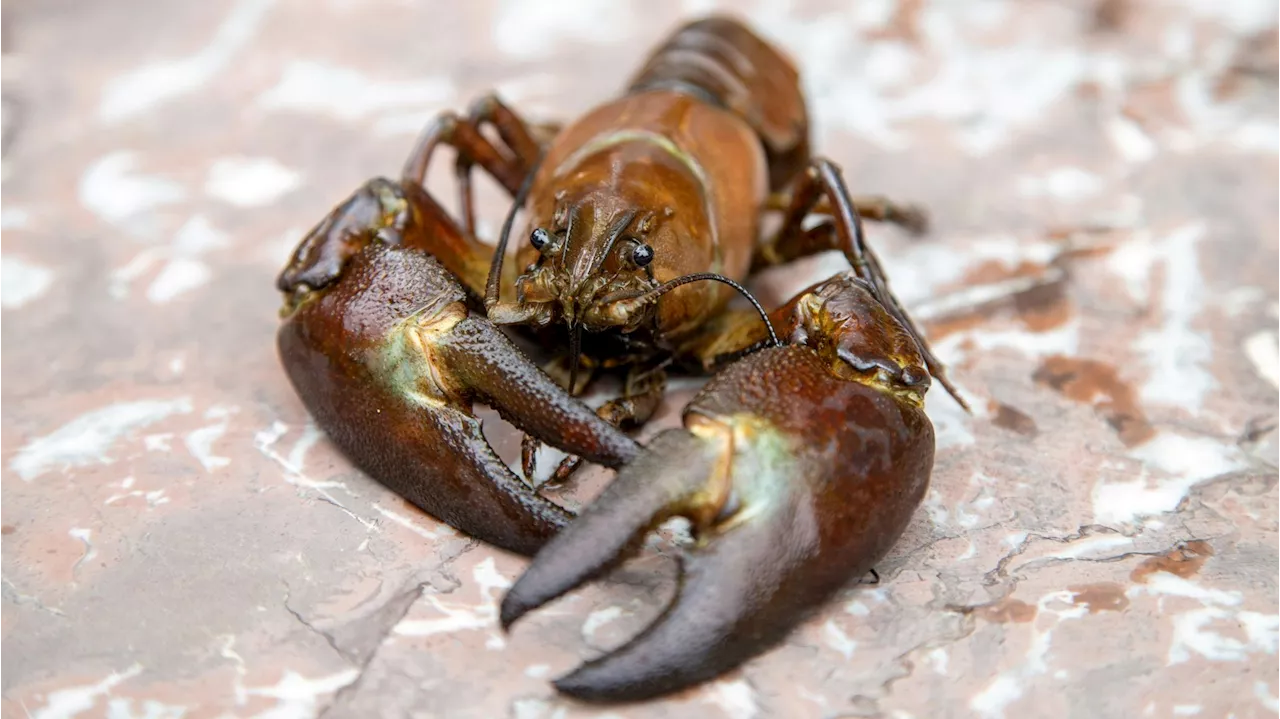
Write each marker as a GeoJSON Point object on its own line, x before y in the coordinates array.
{"type": "Point", "coordinates": [655, 293]}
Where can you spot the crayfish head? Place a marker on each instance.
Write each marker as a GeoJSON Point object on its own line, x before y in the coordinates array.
{"type": "Point", "coordinates": [859, 338]}
{"type": "Point", "coordinates": [591, 256]}
{"type": "Point", "coordinates": [319, 259]}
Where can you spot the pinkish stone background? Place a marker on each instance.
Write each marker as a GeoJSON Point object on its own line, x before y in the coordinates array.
{"type": "Point", "coordinates": [1100, 538]}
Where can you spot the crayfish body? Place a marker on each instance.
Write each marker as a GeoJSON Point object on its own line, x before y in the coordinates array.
{"type": "Point", "coordinates": [799, 463]}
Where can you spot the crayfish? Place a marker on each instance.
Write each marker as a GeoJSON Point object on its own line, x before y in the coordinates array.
{"type": "Point", "coordinates": [799, 463]}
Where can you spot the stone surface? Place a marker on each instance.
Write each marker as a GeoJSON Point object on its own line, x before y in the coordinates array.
{"type": "Point", "coordinates": [1100, 538]}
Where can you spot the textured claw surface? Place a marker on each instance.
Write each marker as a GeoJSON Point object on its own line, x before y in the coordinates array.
{"type": "Point", "coordinates": [388, 360]}
{"type": "Point", "coordinates": [648, 491]}
{"type": "Point", "coordinates": [796, 481]}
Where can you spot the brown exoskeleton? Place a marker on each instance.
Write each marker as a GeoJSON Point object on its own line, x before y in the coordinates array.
{"type": "Point", "coordinates": [800, 462]}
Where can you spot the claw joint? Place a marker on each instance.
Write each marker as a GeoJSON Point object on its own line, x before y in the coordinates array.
{"type": "Point", "coordinates": [708, 504]}
{"type": "Point", "coordinates": [412, 359]}
{"type": "Point", "coordinates": [860, 339]}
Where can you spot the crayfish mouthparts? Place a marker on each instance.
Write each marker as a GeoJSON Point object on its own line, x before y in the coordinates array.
{"type": "Point", "coordinates": [796, 480]}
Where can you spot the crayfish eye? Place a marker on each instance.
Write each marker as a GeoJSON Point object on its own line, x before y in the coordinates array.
{"type": "Point", "coordinates": [642, 255]}
{"type": "Point", "coordinates": [539, 238]}
{"type": "Point", "coordinates": [915, 377]}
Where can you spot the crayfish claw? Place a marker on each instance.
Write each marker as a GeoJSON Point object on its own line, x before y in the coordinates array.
{"type": "Point", "coordinates": [795, 481]}
{"type": "Point", "coordinates": [641, 497]}
{"type": "Point", "coordinates": [389, 360]}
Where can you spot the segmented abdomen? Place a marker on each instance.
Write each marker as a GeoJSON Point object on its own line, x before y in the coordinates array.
{"type": "Point", "coordinates": [722, 62]}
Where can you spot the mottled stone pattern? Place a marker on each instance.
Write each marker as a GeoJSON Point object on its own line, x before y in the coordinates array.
{"type": "Point", "coordinates": [1100, 538]}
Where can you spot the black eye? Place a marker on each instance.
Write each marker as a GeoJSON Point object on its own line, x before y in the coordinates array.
{"type": "Point", "coordinates": [642, 255]}
{"type": "Point", "coordinates": [539, 238]}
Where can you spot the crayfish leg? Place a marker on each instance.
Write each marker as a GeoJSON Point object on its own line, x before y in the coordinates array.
{"type": "Point", "coordinates": [910, 217]}
{"type": "Point", "coordinates": [823, 181]}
